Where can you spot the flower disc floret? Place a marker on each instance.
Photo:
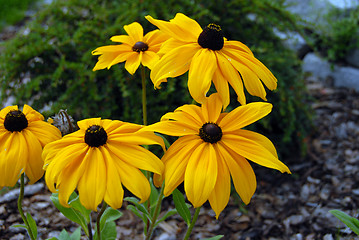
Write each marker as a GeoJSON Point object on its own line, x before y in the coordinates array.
{"type": "Point", "coordinates": [210, 132]}
{"type": "Point", "coordinates": [15, 121]}
{"type": "Point", "coordinates": [211, 37]}
{"type": "Point", "coordinates": [95, 136]}
{"type": "Point", "coordinates": [140, 47]}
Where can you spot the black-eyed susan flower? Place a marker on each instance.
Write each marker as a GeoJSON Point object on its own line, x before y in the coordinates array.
{"type": "Point", "coordinates": [98, 159]}
{"type": "Point", "coordinates": [23, 134]}
{"type": "Point", "coordinates": [135, 49]}
{"type": "Point", "coordinates": [209, 57]}
{"type": "Point", "coordinates": [212, 148]}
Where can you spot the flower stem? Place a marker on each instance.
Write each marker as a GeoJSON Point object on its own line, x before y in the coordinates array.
{"type": "Point", "coordinates": [194, 220]}
{"type": "Point", "coordinates": [144, 99]}
{"type": "Point", "coordinates": [156, 213]}
{"type": "Point", "coordinates": [19, 206]}
{"type": "Point", "coordinates": [90, 230]}
{"type": "Point", "coordinates": [103, 208]}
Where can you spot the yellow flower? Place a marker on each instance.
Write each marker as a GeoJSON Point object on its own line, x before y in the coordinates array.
{"type": "Point", "coordinates": [23, 134]}
{"type": "Point", "coordinates": [209, 56]}
{"type": "Point", "coordinates": [211, 148]}
{"type": "Point", "coordinates": [135, 49]}
{"type": "Point", "coordinates": [98, 159]}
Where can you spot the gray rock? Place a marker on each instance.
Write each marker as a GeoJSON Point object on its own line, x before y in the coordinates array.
{"type": "Point", "coordinates": [28, 191]}
{"type": "Point", "coordinates": [331, 75]}
{"type": "Point", "coordinates": [353, 58]}
{"type": "Point", "coordinates": [346, 77]}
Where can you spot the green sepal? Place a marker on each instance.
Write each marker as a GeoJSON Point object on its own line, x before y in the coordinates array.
{"type": "Point", "coordinates": [351, 222]}
{"type": "Point", "coordinates": [181, 206]}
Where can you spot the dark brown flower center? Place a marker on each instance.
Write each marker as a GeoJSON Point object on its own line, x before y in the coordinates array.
{"type": "Point", "coordinates": [210, 132]}
{"type": "Point", "coordinates": [95, 136]}
{"type": "Point", "coordinates": [211, 37]}
{"type": "Point", "coordinates": [140, 47]}
{"type": "Point", "coordinates": [15, 120]}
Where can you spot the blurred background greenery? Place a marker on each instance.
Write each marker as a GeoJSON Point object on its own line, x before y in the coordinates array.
{"type": "Point", "coordinates": [49, 66]}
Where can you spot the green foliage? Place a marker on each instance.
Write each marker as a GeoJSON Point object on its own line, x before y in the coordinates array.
{"type": "Point", "coordinates": [338, 36]}
{"type": "Point", "coordinates": [52, 65]}
{"type": "Point", "coordinates": [13, 11]}
{"type": "Point", "coordinates": [351, 222]}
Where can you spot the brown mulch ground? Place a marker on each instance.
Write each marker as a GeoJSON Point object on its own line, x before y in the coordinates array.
{"type": "Point", "coordinates": [292, 207]}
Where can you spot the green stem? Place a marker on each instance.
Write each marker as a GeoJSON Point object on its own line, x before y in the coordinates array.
{"type": "Point", "coordinates": [194, 220]}
{"type": "Point", "coordinates": [103, 208]}
{"type": "Point", "coordinates": [156, 213]}
{"type": "Point", "coordinates": [19, 206]}
{"type": "Point", "coordinates": [144, 99]}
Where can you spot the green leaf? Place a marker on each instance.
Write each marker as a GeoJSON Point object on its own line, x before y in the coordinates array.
{"type": "Point", "coordinates": [32, 224]}
{"type": "Point", "coordinates": [76, 204]}
{"type": "Point", "coordinates": [164, 217]}
{"type": "Point", "coordinates": [70, 213]}
{"type": "Point", "coordinates": [153, 198]}
{"type": "Point", "coordinates": [109, 215]}
{"type": "Point", "coordinates": [109, 231]}
{"type": "Point", "coordinates": [351, 222]}
{"type": "Point", "coordinates": [139, 206]}
{"type": "Point", "coordinates": [19, 226]}
{"type": "Point", "coordinates": [214, 238]}
{"type": "Point", "coordinates": [136, 212]}
{"type": "Point", "coordinates": [181, 206]}
{"type": "Point", "coordinates": [76, 235]}
{"type": "Point", "coordinates": [53, 238]}
{"type": "Point", "coordinates": [64, 235]}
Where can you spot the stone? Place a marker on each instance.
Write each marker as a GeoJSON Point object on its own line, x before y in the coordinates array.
{"type": "Point", "coordinates": [352, 58]}
{"type": "Point", "coordinates": [346, 77]}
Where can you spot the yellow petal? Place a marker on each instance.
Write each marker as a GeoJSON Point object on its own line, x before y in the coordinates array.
{"type": "Point", "coordinates": [238, 46]}
{"type": "Point", "coordinates": [6, 110]}
{"type": "Point", "coordinates": [134, 180]}
{"type": "Point", "coordinates": [70, 176]}
{"type": "Point", "coordinates": [35, 163]}
{"type": "Point", "coordinates": [92, 185]}
{"type": "Point", "coordinates": [260, 139]}
{"type": "Point", "coordinates": [149, 59]}
{"type": "Point", "coordinates": [226, 72]}
{"type": "Point", "coordinates": [123, 39]}
{"type": "Point", "coordinates": [133, 62]}
{"type": "Point", "coordinates": [220, 195]}
{"type": "Point", "coordinates": [174, 63]}
{"type": "Point", "coordinates": [13, 158]}
{"type": "Point", "coordinates": [31, 114]}
{"type": "Point", "coordinates": [176, 160]}
{"type": "Point", "coordinates": [136, 156]}
{"type": "Point", "coordinates": [171, 128]}
{"type": "Point", "coordinates": [203, 66]}
{"type": "Point", "coordinates": [201, 174]}
{"type": "Point", "coordinates": [244, 115]}
{"type": "Point", "coordinates": [251, 81]}
{"type": "Point", "coordinates": [212, 108]}
{"type": "Point", "coordinates": [69, 155]}
{"type": "Point", "coordinates": [194, 111]}
{"type": "Point", "coordinates": [138, 138]}
{"type": "Point", "coordinates": [154, 39]}
{"type": "Point", "coordinates": [134, 31]}
{"type": "Point", "coordinates": [86, 123]}
{"type": "Point", "coordinates": [44, 132]}
{"type": "Point", "coordinates": [222, 88]}
{"type": "Point", "coordinates": [181, 27]}
{"type": "Point", "coordinates": [114, 191]}
{"type": "Point", "coordinates": [253, 151]}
